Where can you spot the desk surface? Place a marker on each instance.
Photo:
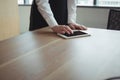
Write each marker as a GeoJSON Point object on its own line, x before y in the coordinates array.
{"type": "Point", "coordinates": [42, 55]}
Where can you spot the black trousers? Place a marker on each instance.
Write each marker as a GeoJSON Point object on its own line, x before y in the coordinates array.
{"type": "Point", "coordinates": [59, 9]}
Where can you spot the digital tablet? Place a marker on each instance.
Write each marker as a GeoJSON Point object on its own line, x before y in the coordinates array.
{"type": "Point", "coordinates": [76, 33]}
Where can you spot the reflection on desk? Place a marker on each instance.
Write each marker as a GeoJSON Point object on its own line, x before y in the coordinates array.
{"type": "Point", "coordinates": [42, 55]}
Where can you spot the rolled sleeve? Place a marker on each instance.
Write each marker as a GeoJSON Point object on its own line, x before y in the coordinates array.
{"type": "Point", "coordinates": [46, 12]}
{"type": "Point", "coordinates": [71, 11]}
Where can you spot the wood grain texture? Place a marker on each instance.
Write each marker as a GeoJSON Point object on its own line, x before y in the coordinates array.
{"type": "Point", "coordinates": [9, 19]}
{"type": "Point", "coordinates": [42, 55]}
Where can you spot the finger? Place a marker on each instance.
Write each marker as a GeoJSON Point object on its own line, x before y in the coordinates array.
{"type": "Point", "coordinates": [62, 32]}
{"type": "Point", "coordinates": [69, 29]}
{"type": "Point", "coordinates": [80, 27]}
{"type": "Point", "coordinates": [72, 26]}
{"type": "Point", "coordinates": [66, 30]}
{"type": "Point", "coordinates": [85, 28]}
{"type": "Point", "coordinates": [62, 29]}
{"type": "Point", "coordinates": [58, 30]}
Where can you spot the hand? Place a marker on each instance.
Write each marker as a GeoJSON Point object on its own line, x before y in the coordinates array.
{"type": "Point", "coordinates": [77, 26]}
{"type": "Point", "coordinates": [62, 29]}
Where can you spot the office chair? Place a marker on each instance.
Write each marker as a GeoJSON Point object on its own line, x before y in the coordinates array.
{"type": "Point", "coordinates": [114, 19]}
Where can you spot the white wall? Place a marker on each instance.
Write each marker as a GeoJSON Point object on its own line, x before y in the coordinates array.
{"type": "Point", "coordinates": [24, 13]}
{"type": "Point", "coordinates": [91, 17]}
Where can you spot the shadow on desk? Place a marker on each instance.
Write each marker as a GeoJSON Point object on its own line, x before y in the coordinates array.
{"type": "Point", "coordinates": [113, 78]}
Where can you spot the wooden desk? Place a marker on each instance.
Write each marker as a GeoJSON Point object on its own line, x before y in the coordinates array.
{"type": "Point", "coordinates": [42, 55]}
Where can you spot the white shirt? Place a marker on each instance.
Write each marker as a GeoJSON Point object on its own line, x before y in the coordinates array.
{"type": "Point", "coordinates": [46, 12]}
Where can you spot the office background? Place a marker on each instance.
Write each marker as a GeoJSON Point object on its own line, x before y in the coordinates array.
{"type": "Point", "coordinates": [91, 17]}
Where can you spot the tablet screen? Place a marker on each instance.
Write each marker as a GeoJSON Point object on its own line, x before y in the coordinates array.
{"type": "Point", "coordinates": [75, 33]}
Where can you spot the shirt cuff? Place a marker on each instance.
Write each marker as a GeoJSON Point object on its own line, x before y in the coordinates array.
{"type": "Point", "coordinates": [51, 21]}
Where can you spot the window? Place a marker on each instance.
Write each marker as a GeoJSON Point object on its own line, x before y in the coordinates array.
{"type": "Point", "coordinates": [108, 3]}
{"type": "Point", "coordinates": [20, 1]}
{"type": "Point", "coordinates": [85, 2]}
{"type": "Point", "coordinates": [25, 2]}
{"type": "Point", "coordinates": [114, 3]}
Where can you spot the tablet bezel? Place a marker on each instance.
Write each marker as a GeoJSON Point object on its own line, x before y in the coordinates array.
{"type": "Point", "coordinates": [66, 37]}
